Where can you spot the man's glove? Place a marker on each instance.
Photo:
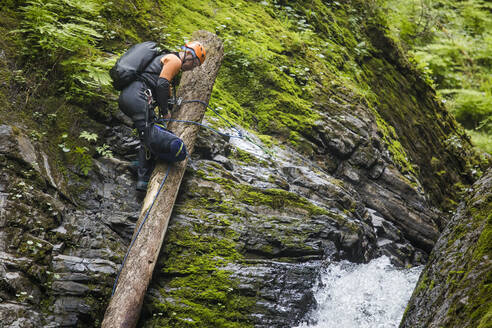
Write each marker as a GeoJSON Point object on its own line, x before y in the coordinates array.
{"type": "Point", "coordinates": [162, 94]}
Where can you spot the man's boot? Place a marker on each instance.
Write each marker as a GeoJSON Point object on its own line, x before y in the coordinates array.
{"type": "Point", "coordinates": [145, 168]}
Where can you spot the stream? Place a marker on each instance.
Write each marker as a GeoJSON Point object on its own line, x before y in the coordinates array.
{"type": "Point", "coordinates": [372, 295]}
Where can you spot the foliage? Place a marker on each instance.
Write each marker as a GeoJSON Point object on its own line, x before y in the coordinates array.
{"type": "Point", "coordinates": [53, 28]}
{"type": "Point", "coordinates": [452, 40]}
{"type": "Point", "coordinates": [287, 64]}
{"type": "Point", "coordinates": [473, 109]}
{"type": "Point", "coordinates": [276, 63]}
{"type": "Point", "coordinates": [88, 136]}
{"type": "Point", "coordinates": [82, 159]}
{"type": "Point", "coordinates": [482, 140]}
{"type": "Point", "coordinates": [62, 36]}
{"type": "Point", "coordinates": [104, 151]}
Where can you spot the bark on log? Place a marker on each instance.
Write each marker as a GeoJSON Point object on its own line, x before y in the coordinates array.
{"type": "Point", "coordinates": [126, 303]}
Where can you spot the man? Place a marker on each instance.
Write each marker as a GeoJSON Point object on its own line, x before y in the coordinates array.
{"type": "Point", "coordinates": [133, 101]}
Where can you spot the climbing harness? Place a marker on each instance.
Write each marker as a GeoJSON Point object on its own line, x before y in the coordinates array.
{"type": "Point", "coordinates": [139, 228]}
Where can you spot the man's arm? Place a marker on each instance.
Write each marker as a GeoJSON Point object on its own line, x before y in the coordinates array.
{"type": "Point", "coordinates": [171, 65]}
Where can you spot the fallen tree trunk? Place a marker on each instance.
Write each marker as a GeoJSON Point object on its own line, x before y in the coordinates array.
{"type": "Point", "coordinates": [126, 303]}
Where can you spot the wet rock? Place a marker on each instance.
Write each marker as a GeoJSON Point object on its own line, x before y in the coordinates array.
{"type": "Point", "coordinates": [384, 228]}
{"type": "Point", "coordinates": [15, 144]}
{"type": "Point", "coordinates": [365, 157]}
{"type": "Point", "coordinates": [15, 285]}
{"type": "Point", "coordinates": [350, 174]}
{"type": "Point", "coordinates": [377, 170]}
{"type": "Point", "coordinates": [390, 196]}
{"type": "Point", "coordinates": [341, 147]}
{"type": "Point", "coordinates": [64, 263]}
{"type": "Point", "coordinates": [248, 228]}
{"type": "Point", "coordinates": [122, 224]}
{"type": "Point", "coordinates": [7, 140]}
{"type": "Point", "coordinates": [208, 145]}
{"type": "Point", "coordinates": [67, 310]}
{"type": "Point", "coordinates": [224, 161]}
{"type": "Point", "coordinates": [284, 290]}
{"type": "Point", "coordinates": [13, 315]}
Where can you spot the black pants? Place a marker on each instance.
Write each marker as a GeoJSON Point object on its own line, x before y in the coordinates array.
{"type": "Point", "coordinates": [133, 102]}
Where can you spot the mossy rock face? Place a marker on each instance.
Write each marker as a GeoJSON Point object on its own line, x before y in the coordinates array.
{"type": "Point", "coordinates": [455, 287]}
{"type": "Point", "coordinates": [354, 147]}
{"type": "Point", "coordinates": [235, 252]}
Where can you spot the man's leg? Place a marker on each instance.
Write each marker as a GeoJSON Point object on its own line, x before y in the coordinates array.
{"type": "Point", "coordinates": [146, 165]}
{"type": "Point", "coordinates": [146, 161]}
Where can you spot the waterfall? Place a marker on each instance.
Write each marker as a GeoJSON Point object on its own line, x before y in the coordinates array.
{"type": "Point", "coordinates": [372, 295]}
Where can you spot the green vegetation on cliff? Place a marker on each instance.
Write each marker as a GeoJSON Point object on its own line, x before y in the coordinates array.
{"type": "Point", "coordinates": [287, 65]}
{"type": "Point", "coordinates": [455, 289]}
{"type": "Point", "coordinates": [452, 41]}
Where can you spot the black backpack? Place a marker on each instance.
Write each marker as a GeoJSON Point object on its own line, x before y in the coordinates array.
{"type": "Point", "coordinates": [133, 62]}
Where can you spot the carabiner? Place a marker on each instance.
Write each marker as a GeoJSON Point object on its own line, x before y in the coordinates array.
{"type": "Point", "coordinates": [148, 93]}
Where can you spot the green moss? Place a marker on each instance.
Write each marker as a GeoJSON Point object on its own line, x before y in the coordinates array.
{"type": "Point", "coordinates": [397, 151]}
{"type": "Point", "coordinates": [464, 281]}
{"type": "Point", "coordinates": [274, 198]}
{"type": "Point", "coordinates": [243, 156]}
{"type": "Point", "coordinates": [484, 245]}
{"type": "Point", "coordinates": [282, 65]}
{"type": "Point", "coordinates": [423, 284]}
{"type": "Point", "coordinates": [279, 198]}
{"type": "Point", "coordinates": [200, 291]}
{"type": "Point", "coordinates": [486, 321]}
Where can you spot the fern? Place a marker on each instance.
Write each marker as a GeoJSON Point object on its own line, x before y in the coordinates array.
{"type": "Point", "coordinates": [63, 35]}
{"type": "Point", "coordinates": [456, 50]}
{"type": "Point", "coordinates": [52, 26]}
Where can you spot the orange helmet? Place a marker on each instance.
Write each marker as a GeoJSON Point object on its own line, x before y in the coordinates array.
{"type": "Point", "coordinates": [196, 49]}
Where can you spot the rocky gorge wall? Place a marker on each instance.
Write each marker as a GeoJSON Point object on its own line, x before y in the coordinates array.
{"type": "Point", "coordinates": [454, 289]}
{"type": "Point", "coordinates": [248, 236]}
{"type": "Point", "coordinates": [251, 230]}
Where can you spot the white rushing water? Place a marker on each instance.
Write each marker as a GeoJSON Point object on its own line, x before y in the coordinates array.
{"type": "Point", "coordinates": [372, 295]}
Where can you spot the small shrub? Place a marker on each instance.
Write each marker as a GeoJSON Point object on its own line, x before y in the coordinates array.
{"type": "Point", "coordinates": [82, 159]}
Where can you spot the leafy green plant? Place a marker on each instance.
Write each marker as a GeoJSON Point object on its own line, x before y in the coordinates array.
{"type": "Point", "coordinates": [88, 136]}
{"type": "Point", "coordinates": [54, 28]}
{"type": "Point", "coordinates": [104, 151]}
{"type": "Point", "coordinates": [83, 160]}
{"type": "Point", "coordinates": [64, 147]}
{"type": "Point", "coordinates": [471, 108]}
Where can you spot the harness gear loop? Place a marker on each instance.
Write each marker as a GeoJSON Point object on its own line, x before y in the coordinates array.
{"type": "Point", "coordinates": [148, 93]}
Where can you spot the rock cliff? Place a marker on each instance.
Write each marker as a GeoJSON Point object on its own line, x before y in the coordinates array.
{"type": "Point", "coordinates": [358, 174]}
{"type": "Point", "coordinates": [454, 289]}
